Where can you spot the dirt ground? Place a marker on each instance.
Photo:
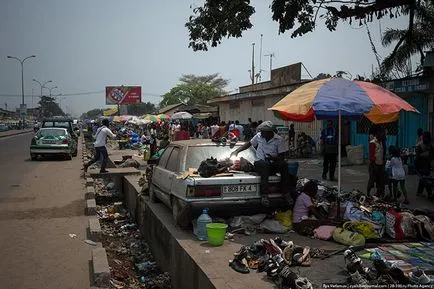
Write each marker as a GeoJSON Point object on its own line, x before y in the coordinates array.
{"type": "Point", "coordinates": [41, 203]}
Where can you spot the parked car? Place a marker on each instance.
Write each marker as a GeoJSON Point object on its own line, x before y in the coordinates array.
{"type": "Point", "coordinates": [238, 193]}
{"type": "Point", "coordinates": [3, 127]}
{"type": "Point", "coordinates": [52, 141]}
{"type": "Point", "coordinates": [62, 122]}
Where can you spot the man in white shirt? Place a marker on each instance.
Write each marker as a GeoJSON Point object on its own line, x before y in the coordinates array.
{"type": "Point", "coordinates": [270, 152]}
{"type": "Point", "coordinates": [240, 128]}
{"type": "Point", "coordinates": [100, 146]}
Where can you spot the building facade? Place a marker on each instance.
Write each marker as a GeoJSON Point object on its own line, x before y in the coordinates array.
{"type": "Point", "coordinates": [253, 101]}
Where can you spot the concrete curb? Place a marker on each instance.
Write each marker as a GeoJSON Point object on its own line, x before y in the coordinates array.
{"type": "Point", "coordinates": [95, 231]}
{"type": "Point", "coordinates": [100, 267]}
{"type": "Point", "coordinates": [90, 193]}
{"type": "Point", "coordinates": [90, 207]}
{"type": "Point", "coordinates": [18, 133]}
{"type": "Point", "coordinates": [89, 182]}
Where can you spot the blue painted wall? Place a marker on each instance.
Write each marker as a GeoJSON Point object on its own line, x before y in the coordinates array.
{"type": "Point", "coordinates": [407, 126]}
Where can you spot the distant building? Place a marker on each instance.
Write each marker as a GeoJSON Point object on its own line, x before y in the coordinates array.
{"type": "Point", "coordinates": [253, 100]}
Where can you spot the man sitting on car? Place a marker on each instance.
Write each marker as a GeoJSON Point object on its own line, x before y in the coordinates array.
{"type": "Point", "coordinates": [270, 151]}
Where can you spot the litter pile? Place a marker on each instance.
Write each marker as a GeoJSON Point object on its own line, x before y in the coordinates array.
{"type": "Point", "coordinates": [106, 191]}
{"type": "Point", "coordinates": [131, 262]}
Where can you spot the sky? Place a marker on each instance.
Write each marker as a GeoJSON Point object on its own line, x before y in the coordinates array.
{"type": "Point", "coordinates": [83, 46]}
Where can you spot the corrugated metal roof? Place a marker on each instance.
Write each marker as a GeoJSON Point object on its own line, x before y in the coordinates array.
{"type": "Point", "coordinates": [169, 107]}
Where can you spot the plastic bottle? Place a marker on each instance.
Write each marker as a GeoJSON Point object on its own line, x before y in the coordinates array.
{"type": "Point", "coordinates": [201, 225]}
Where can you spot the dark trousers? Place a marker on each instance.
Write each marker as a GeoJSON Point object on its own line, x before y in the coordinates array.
{"type": "Point", "coordinates": [265, 168]}
{"type": "Point", "coordinates": [329, 165]}
{"type": "Point", "coordinates": [424, 184]}
{"type": "Point", "coordinates": [101, 154]}
{"type": "Point", "coordinates": [376, 176]}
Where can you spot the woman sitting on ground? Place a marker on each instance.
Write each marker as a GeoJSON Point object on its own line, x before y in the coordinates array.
{"type": "Point", "coordinates": [305, 216]}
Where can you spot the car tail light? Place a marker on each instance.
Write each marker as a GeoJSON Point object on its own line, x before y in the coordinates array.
{"type": "Point", "coordinates": [33, 141]}
{"type": "Point", "coordinates": [204, 191]}
{"type": "Point", "coordinates": [65, 141]}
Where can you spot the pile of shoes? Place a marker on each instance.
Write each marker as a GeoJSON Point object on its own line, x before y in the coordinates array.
{"type": "Point", "coordinates": [275, 257]}
{"type": "Point", "coordinates": [382, 273]}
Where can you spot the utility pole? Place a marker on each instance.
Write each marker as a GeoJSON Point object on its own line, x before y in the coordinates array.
{"type": "Point", "coordinates": [253, 64]}
{"type": "Point", "coordinates": [271, 55]}
{"type": "Point", "coordinates": [260, 60]}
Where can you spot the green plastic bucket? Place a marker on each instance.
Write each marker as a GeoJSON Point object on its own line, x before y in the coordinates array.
{"type": "Point", "coordinates": [216, 233]}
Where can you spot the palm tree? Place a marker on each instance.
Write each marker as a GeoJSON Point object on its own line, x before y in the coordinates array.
{"type": "Point", "coordinates": [419, 37]}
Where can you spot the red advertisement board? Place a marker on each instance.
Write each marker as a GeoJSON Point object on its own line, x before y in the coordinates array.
{"type": "Point", "coordinates": [123, 94]}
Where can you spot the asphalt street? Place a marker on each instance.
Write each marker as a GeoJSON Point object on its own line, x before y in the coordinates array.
{"type": "Point", "coordinates": [41, 203]}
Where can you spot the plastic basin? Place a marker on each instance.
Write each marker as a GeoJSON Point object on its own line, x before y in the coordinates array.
{"type": "Point", "coordinates": [293, 168]}
{"type": "Point", "coordinates": [216, 233]}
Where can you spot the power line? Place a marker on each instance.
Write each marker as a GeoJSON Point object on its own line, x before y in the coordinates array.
{"type": "Point", "coordinates": [78, 94]}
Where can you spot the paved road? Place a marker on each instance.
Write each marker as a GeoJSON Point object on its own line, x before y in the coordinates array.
{"type": "Point", "coordinates": [40, 204]}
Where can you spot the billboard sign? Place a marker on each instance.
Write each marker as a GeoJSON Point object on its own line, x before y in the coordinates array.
{"type": "Point", "coordinates": [123, 95]}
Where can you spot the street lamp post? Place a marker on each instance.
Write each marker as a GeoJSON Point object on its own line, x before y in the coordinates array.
{"type": "Point", "coordinates": [51, 88]}
{"type": "Point", "coordinates": [42, 85]}
{"type": "Point", "coordinates": [22, 79]}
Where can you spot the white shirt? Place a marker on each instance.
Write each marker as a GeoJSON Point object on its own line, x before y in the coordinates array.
{"type": "Point", "coordinates": [398, 172]}
{"type": "Point", "coordinates": [101, 136]}
{"type": "Point", "coordinates": [273, 147]}
{"type": "Point", "coordinates": [214, 129]}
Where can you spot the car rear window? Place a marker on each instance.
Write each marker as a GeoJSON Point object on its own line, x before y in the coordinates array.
{"type": "Point", "coordinates": [63, 124]}
{"type": "Point", "coordinates": [197, 154]}
{"type": "Point", "coordinates": [51, 132]}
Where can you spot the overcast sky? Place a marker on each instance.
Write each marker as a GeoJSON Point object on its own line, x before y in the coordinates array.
{"type": "Point", "coordinates": [83, 45]}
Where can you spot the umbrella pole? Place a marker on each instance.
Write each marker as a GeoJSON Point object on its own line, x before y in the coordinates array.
{"type": "Point", "coordinates": [339, 164]}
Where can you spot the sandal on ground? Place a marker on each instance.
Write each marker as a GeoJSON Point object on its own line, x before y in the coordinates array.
{"type": "Point", "coordinates": [239, 266]}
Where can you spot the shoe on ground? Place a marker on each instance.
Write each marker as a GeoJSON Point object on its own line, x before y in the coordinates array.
{"type": "Point", "coordinates": [406, 202]}
{"type": "Point", "coordinates": [352, 258]}
{"type": "Point", "coordinates": [419, 277]}
{"type": "Point", "coordinates": [333, 179]}
{"type": "Point", "coordinates": [294, 281]}
{"type": "Point", "coordinates": [239, 266]}
{"type": "Point", "coordinates": [398, 275]}
{"type": "Point", "coordinates": [357, 279]}
{"type": "Point", "coordinates": [324, 177]}
{"type": "Point", "coordinates": [103, 171]}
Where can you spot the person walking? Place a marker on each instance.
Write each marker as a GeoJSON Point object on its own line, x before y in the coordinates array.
{"type": "Point", "coordinates": [330, 147]}
{"type": "Point", "coordinates": [100, 146]}
{"type": "Point", "coordinates": [397, 174]}
{"type": "Point", "coordinates": [424, 155]}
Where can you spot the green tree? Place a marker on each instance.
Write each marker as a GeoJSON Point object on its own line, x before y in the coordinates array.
{"type": "Point", "coordinates": [49, 107]}
{"type": "Point", "coordinates": [415, 40]}
{"type": "Point", "coordinates": [194, 89]}
{"type": "Point", "coordinates": [141, 109]}
{"type": "Point", "coordinates": [218, 19]}
{"type": "Point", "coordinates": [93, 113]}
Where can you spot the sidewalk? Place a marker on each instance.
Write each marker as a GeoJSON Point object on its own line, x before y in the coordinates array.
{"type": "Point", "coordinates": [14, 132]}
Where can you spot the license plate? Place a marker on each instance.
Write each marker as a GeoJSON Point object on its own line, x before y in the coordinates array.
{"type": "Point", "coordinates": [239, 189]}
{"type": "Point", "coordinates": [48, 141]}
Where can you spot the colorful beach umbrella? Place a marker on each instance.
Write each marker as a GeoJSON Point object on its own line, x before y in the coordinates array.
{"type": "Point", "coordinates": [331, 97]}
{"type": "Point", "coordinates": [163, 117]}
{"type": "Point", "coordinates": [339, 98]}
{"type": "Point", "coordinates": [150, 117]}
